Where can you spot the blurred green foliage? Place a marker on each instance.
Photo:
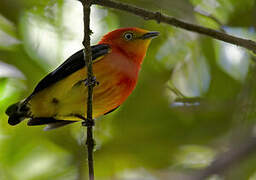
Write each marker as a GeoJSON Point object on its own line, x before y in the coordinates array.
{"type": "Point", "coordinates": [150, 137]}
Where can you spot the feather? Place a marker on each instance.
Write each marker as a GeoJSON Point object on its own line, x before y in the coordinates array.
{"type": "Point", "coordinates": [49, 121]}
{"type": "Point", "coordinates": [71, 65]}
{"type": "Point", "coordinates": [45, 120]}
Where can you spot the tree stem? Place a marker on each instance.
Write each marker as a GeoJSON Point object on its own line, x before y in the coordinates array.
{"type": "Point", "coordinates": [89, 122]}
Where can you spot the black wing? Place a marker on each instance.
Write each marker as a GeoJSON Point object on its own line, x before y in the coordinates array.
{"type": "Point", "coordinates": [71, 65]}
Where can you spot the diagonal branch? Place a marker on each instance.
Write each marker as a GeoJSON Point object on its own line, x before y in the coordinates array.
{"type": "Point", "coordinates": [149, 15]}
{"type": "Point", "coordinates": [230, 158]}
{"type": "Point", "coordinates": [89, 122]}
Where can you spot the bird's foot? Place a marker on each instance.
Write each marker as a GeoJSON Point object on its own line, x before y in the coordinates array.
{"type": "Point", "coordinates": [93, 82]}
{"type": "Point", "coordinates": [88, 123]}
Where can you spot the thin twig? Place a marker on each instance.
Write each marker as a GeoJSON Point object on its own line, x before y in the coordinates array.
{"type": "Point", "coordinates": [159, 17]}
{"type": "Point", "coordinates": [89, 122]}
{"type": "Point", "coordinates": [176, 91]}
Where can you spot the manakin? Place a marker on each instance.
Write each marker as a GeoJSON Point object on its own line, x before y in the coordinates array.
{"type": "Point", "coordinates": [60, 98]}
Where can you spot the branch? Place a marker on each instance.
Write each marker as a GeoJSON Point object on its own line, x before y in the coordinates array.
{"type": "Point", "coordinates": [89, 122]}
{"type": "Point", "coordinates": [228, 159]}
{"type": "Point", "coordinates": [149, 15]}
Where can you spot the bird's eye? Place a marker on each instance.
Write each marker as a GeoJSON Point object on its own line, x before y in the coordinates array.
{"type": "Point", "coordinates": [128, 36]}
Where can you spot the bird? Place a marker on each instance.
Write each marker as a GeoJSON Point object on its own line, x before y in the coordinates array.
{"type": "Point", "coordinates": [60, 98]}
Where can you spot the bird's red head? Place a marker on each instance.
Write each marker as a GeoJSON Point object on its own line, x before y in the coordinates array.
{"type": "Point", "coordinates": [132, 42]}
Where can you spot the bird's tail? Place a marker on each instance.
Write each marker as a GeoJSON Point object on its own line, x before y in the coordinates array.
{"type": "Point", "coordinates": [17, 112]}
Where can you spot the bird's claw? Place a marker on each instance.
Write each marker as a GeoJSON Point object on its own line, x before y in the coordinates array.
{"type": "Point", "coordinates": [93, 82]}
{"type": "Point", "coordinates": [87, 123]}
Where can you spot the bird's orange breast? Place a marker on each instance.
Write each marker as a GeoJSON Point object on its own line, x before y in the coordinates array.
{"type": "Point", "coordinates": [117, 76]}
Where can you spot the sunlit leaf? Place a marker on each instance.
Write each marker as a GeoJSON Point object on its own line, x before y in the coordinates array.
{"type": "Point", "coordinates": [8, 36]}
{"type": "Point", "coordinates": [234, 60]}
{"type": "Point", "coordinates": [192, 156]}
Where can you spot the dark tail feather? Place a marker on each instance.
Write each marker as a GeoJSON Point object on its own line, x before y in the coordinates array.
{"type": "Point", "coordinates": [50, 122]}
{"type": "Point", "coordinates": [41, 121]}
{"type": "Point", "coordinates": [19, 111]}
{"type": "Point", "coordinates": [16, 113]}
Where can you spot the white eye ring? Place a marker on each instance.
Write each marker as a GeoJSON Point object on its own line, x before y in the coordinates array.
{"type": "Point", "coordinates": [128, 36]}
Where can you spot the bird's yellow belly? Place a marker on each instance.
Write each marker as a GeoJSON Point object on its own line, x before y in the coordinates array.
{"type": "Point", "coordinates": [68, 98]}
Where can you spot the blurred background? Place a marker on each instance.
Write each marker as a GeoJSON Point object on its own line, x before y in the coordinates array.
{"type": "Point", "coordinates": [195, 95]}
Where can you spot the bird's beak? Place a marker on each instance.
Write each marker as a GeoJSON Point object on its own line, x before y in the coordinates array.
{"type": "Point", "coordinates": [150, 35]}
